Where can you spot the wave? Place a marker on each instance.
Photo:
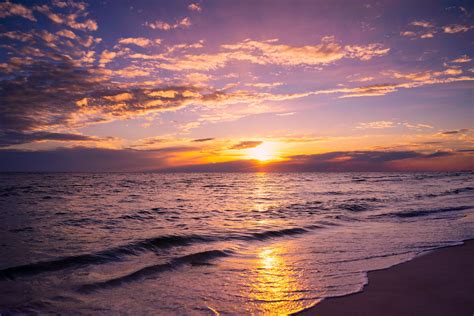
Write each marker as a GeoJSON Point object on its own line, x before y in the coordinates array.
{"type": "Point", "coordinates": [354, 207]}
{"type": "Point", "coordinates": [102, 257]}
{"type": "Point", "coordinates": [195, 259]}
{"type": "Point", "coordinates": [278, 233]}
{"type": "Point", "coordinates": [134, 249]}
{"type": "Point", "coordinates": [419, 213]}
{"type": "Point", "coordinates": [448, 192]}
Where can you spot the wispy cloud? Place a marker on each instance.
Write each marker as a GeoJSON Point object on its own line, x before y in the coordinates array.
{"type": "Point", "coordinates": [247, 144]}
{"type": "Point", "coordinates": [392, 124]}
{"type": "Point", "coordinates": [268, 52]}
{"type": "Point", "coordinates": [456, 28]}
{"type": "Point", "coordinates": [462, 59]}
{"type": "Point", "coordinates": [165, 26]}
{"type": "Point", "coordinates": [139, 41]}
{"type": "Point", "coordinates": [70, 20]}
{"type": "Point", "coordinates": [9, 138]}
{"type": "Point", "coordinates": [377, 125]}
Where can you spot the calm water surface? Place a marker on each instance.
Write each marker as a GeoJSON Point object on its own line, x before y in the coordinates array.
{"type": "Point", "coordinates": [205, 244]}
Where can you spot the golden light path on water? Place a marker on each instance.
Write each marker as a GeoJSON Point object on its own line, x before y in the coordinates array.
{"type": "Point", "coordinates": [275, 288]}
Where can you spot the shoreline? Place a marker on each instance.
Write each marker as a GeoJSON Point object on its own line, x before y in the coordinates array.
{"type": "Point", "coordinates": [438, 282]}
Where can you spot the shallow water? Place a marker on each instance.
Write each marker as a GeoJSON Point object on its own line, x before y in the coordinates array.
{"type": "Point", "coordinates": [230, 243]}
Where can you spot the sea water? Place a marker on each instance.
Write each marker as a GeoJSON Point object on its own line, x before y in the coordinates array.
{"type": "Point", "coordinates": [217, 243]}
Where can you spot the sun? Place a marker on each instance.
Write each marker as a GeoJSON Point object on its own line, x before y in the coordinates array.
{"type": "Point", "coordinates": [263, 152]}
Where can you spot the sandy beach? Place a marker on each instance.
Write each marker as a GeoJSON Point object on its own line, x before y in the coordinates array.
{"type": "Point", "coordinates": [437, 283]}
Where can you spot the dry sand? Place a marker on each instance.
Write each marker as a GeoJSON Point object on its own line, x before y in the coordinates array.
{"type": "Point", "coordinates": [437, 283]}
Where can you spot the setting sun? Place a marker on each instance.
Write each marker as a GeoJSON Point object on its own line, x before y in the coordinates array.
{"type": "Point", "coordinates": [263, 152]}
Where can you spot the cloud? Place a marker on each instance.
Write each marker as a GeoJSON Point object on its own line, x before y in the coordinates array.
{"type": "Point", "coordinates": [12, 9]}
{"type": "Point", "coordinates": [343, 161]}
{"type": "Point", "coordinates": [366, 91]}
{"type": "Point", "coordinates": [363, 161]}
{"type": "Point", "coordinates": [201, 140]}
{"type": "Point", "coordinates": [18, 36]}
{"type": "Point", "coordinates": [456, 28]}
{"type": "Point", "coordinates": [131, 72]}
{"type": "Point", "coordinates": [429, 29]}
{"type": "Point", "coordinates": [68, 19]}
{"type": "Point", "coordinates": [424, 24]}
{"type": "Point", "coordinates": [416, 126]}
{"type": "Point", "coordinates": [391, 124]}
{"type": "Point", "coordinates": [366, 52]}
{"type": "Point", "coordinates": [264, 85]}
{"type": "Point", "coordinates": [106, 57]}
{"type": "Point", "coordinates": [139, 41]}
{"type": "Point", "coordinates": [271, 52]}
{"type": "Point", "coordinates": [408, 34]}
{"type": "Point", "coordinates": [363, 79]}
{"type": "Point", "coordinates": [455, 132]}
{"type": "Point", "coordinates": [462, 59]}
{"type": "Point", "coordinates": [285, 114]}
{"type": "Point", "coordinates": [43, 94]}
{"type": "Point", "coordinates": [81, 6]}
{"type": "Point", "coordinates": [418, 79]}
{"type": "Point", "coordinates": [9, 138]}
{"type": "Point", "coordinates": [67, 33]}
{"type": "Point", "coordinates": [246, 144]}
{"type": "Point", "coordinates": [267, 52]}
{"type": "Point", "coordinates": [164, 26]}
{"type": "Point", "coordinates": [376, 125]}
{"type": "Point", "coordinates": [197, 78]}
{"type": "Point", "coordinates": [60, 93]}
{"type": "Point", "coordinates": [195, 7]}
{"type": "Point", "coordinates": [82, 159]}
{"type": "Point", "coordinates": [428, 35]}
{"type": "Point", "coordinates": [87, 25]}
{"type": "Point", "coordinates": [423, 34]}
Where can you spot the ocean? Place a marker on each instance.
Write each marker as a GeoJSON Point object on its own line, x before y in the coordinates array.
{"type": "Point", "coordinates": [217, 243]}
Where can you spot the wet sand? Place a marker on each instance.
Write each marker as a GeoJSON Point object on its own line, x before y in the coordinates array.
{"type": "Point", "coordinates": [440, 282]}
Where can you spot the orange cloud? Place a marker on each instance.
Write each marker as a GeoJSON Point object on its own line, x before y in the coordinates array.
{"type": "Point", "coordinates": [195, 7]}
{"type": "Point", "coordinates": [8, 9]}
{"type": "Point", "coordinates": [456, 28]}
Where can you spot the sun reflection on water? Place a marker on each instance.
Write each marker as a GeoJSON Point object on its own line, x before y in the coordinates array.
{"type": "Point", "coordinates": [275, 288]}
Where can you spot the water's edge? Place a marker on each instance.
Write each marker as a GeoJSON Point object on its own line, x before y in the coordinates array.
{"type": "Point", "coordinates": [367, 278]}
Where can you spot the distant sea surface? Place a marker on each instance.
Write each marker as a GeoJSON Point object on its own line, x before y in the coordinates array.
{"type": "Point", "coordinates": [220, 243]}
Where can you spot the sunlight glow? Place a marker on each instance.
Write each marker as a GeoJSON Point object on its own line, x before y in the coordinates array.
{"type": "Point", "coordinates": [275, 289]}
{"type": "Point", "coordinates": [264, 152]}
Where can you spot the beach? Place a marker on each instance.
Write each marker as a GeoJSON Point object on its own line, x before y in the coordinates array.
{"type": "Point", "coordinates": [440, 282]}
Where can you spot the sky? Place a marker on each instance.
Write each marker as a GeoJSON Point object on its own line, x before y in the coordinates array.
{"type": "Point", "coordinates": [236, 85]}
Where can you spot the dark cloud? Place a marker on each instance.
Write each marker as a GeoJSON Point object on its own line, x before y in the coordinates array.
{"type": "Point", "coordinates": [200, 140]}
{"type": "Point", "coordinates": [431, 143]}
{"type": "Point", "coordinates": [103, 160]}
{"type": "Point", "coordinates": [49, 81]}
{"type": "Point", "coordinates": [357, 161]}
{"type": "Point", "coordinates": [354, 161]}
{"type": "Point", "coordinates": [458, 131]}
{"type": "Point", "coordinates": [8, 138]}
{"type": "Point", "coordinates": [247, 144]}
{"type": "Point", "coordinates": [43, 94]}
{"type": "Point", "coordinates": [82, 159]}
